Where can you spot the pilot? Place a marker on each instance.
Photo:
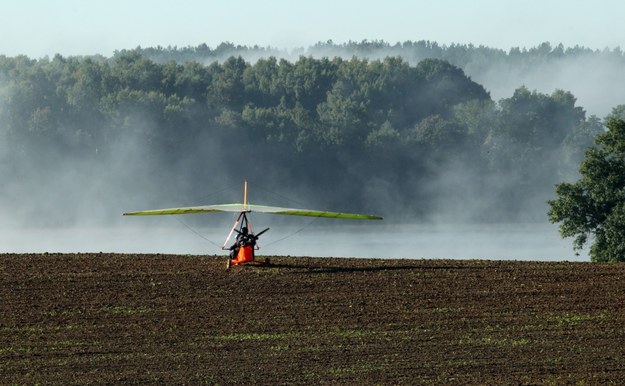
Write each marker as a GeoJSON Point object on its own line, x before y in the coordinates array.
{"type": "Point", "coordinates": [243, 238]}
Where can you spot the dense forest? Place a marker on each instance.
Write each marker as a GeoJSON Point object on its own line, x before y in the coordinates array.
{"type": "Point", "coordinates": [589, 74]}
{"type": "Point", "coordinates": [91, 137]}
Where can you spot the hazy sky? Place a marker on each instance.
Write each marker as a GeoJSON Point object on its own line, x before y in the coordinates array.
{"type": "Point", "coordinates": [83, 27]}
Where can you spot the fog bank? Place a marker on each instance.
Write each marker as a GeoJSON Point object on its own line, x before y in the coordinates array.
{"type": "Point", "coordinates": [530, 242]}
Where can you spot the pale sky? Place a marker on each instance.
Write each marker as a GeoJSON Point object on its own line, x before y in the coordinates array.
{"type": "Point", "coordinates": [84, 27]}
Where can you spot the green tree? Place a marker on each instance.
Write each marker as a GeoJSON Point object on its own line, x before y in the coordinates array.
{"type": "Point", "coordinates": [618, 112]}
{"type": "Point", "coordinates": [444, 86]}
{"type": "Point", "coordinates": [539, 120]}
{"type": "Point", "coordinates": [438, 135]}
{"type": "Point", "coordinates": [228, 83]}
{"type": "Point", "coordinates": [594, 206]}
{"type": "Point", "coordinates": [341, 116]}
{"type": "Point", "coordinates": [260, 83]}
{"type": "Point", "coordinates": [384, 138]}
{"type": "Point", "coordinates": [133, 71]}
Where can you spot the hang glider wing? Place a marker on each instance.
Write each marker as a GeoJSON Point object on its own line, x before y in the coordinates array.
{"type": "Point", "coordinates": [188, 210]}
{"type": "Point", "coordinates": [253, 208]}
{"type": "Point", "coordinates": [310, 213]}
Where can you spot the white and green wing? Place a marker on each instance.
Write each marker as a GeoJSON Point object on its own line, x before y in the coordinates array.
{"type": "Point", "coordinates": [253, 208]}
{"type": "Point", "coordinates": [188, 210]}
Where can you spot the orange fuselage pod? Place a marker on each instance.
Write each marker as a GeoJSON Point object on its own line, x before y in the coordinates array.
{"type": "Point", "coordinates": [245, 255]}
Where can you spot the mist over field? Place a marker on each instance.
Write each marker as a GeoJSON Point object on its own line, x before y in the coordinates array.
{"type": "Point", "coordinates": [460, 157]}
{"type": "Point", "coordinates": [529, 242]}
{"type": "Point", "coordinates": [591, 78]}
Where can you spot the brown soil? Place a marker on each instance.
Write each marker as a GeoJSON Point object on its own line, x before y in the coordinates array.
{"type": "Point", "coordinates": [171, 319]}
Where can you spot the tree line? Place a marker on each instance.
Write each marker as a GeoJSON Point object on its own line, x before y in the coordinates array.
{"type": "Point", "coordinates": [461, 55]}
{"type": "Point", "coordinates": [354, 134]}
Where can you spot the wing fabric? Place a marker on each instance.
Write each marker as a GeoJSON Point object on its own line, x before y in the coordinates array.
{"type": "Point", "coordinates": [253, 208]}
{"type": "Point", "coordinates": [310, 213]}
{"type": "Point", "coordinates": [188, 210]}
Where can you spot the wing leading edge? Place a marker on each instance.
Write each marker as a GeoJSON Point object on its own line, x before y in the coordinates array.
{"type": "Point", "coordinates": [253, 208]}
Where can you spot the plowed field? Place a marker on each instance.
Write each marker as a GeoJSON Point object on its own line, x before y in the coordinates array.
{"type": "Point", "coordinates": [171, 319]}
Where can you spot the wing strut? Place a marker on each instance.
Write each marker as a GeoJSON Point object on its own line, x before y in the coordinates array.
{"type": "Point", "coordinates": [236, 223]}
